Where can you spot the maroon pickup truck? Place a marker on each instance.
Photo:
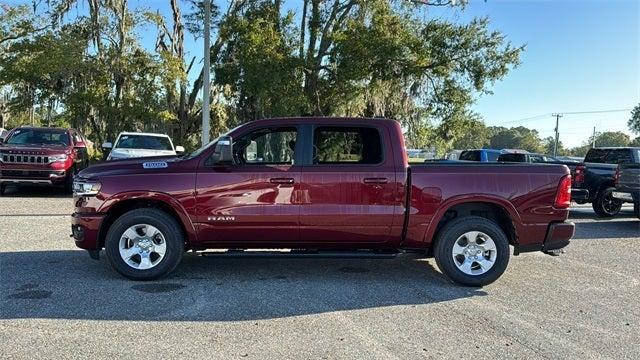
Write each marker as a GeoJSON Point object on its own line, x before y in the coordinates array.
{"type": "Point", "coordinates": [49, 156]}
{"type": "Point", "coordinates": [319, 187]}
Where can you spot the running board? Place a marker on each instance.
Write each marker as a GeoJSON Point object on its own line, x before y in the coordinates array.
{"type": "Point", "coordinates": [301, 254]}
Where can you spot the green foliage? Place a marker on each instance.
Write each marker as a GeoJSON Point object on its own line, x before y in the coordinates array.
{"type": "Point", "coordinates": [515, 138]}
{"type": "Point", "coordinates": [467, 131]}
{"type": "Point", "coordinates": [635, 142]}
{"type": "Point", "coordinates": [345, 58]}
{"type": "Point", "coordinates": [548, 145]}
{"type": "Point", "coordinates": [611, 138]}
{"type": "Point", "coordinates": [634, 121]}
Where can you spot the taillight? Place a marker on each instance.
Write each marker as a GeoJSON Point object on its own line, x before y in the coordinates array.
{"type": "Point", "coordinates": [616, 176]}
{"type": "Point", "coordinates": [563, 195]}
{"type": "Point", "coordinates": [579, 174]}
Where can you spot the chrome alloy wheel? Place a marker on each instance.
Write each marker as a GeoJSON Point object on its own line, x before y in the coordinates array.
{"type": "Point", "coordinates": [142, 246]}
{"type": "Point", "coordinates": [474, 253]}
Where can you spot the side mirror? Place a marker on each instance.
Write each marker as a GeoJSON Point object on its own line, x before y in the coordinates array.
{"type": "Point", "coordinates": [223, 152]}
{"type": "Point", "coordinates": [107, 145]}
{"type": "Point", "coordinates": [179, 149]}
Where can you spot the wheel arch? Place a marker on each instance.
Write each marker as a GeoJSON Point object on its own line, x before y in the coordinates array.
{"type": "Point", "coordinates": [497, 209]}
{"type": "Point", "coordinates": [122, 203]}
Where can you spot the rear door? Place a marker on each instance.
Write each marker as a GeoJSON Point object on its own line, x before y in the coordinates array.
{"type": "Point", "coordinates": [254, 201]}
{"type": "Point", "coordinates": [349, 188]}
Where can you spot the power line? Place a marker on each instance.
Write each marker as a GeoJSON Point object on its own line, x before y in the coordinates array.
{"type": "Point", "coordinates": [594, 111]}
{"type": "Point", "coordinates": [563, 113]}
{"type": "Point", "coordinates": [525, 119]}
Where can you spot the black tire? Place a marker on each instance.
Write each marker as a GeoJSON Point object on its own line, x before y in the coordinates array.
{"type": "Point", "coordinates": [452, 231]}
{"type": "Point", "coordinates": [68, 181]}
{"type": "Point", "coordinates": [170, 230]}
{"type": "Point", "coordinates": [605, 205]}
{"type": "Point", "coordinates": [3, 188]}
{"type": "Point", "coordinates": [636, 209]}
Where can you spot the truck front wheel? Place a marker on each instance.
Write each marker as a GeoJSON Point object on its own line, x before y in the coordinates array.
{"type": "Point", "coordinates": [472, 251]}
{"type": "Point", "coordinates": [605, 205]}
{"type": "Point", "coordinates": [144, 244]}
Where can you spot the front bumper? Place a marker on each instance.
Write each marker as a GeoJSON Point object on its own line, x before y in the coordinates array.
{"type": "Point", "coordinates": [85, 230]}
{"type": "Point", "coordinates": [29, 176]}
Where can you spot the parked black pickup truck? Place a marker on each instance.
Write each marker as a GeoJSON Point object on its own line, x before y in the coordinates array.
{"type": "Point", "coordinates": [596, 178]}
{"type": "Point", "coordinates": [533, 158]}
{"type": "Point", "coordinates": [627, 180]}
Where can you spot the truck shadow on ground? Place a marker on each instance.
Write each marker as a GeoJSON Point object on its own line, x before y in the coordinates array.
{"type": "Point", "coordinates": [68, 285]}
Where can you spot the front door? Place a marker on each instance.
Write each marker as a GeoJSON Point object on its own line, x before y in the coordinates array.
{"type": "Point", "coordinates": [254, 201]}
{"type": "Point", "coordinates": [349, 191]}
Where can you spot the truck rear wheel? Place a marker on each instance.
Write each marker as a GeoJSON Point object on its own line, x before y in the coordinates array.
{"type": "Point", "coordinates": [472, 251]}
{"type": "Point", "coordinates": [144, 244]}
{"type": "Point", "coordinates": [605, 205]}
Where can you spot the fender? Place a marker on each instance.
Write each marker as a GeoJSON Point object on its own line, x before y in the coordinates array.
{"type": "Point", "coordinates": [472, 198]}
{"type": "Point", "coordinates": [156, 196]}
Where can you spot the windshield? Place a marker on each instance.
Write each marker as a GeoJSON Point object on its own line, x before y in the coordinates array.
{"type": "Point", "coordinates": [144, 142]}
{"type": "Point", "coordinates": [38, 137]}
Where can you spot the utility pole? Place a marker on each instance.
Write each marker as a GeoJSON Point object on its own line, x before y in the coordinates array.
{"type": "Point", "coordinates": [555, 145]}
{"type": "Point", "coordinates": [206, 88]}
{"type": "Point", "coordinates": [593, 139]}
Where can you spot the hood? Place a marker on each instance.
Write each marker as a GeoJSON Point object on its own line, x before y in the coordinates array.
{"type": "Point", "coordinates": [34, 149]}
{"type": "Point", "coordinates": [149, 165]}
{"type": "Point", "coordinates": [138, 153]}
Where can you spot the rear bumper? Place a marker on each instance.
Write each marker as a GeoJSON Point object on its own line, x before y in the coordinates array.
{"type": "Point", "coordinates": [625, 196]}
{"type": "Point", "coordinates": [558, 236]}
{"type": "Point", "coordinates": [85, 229]}
{"type": "Point", "coordinates": [579, 194]}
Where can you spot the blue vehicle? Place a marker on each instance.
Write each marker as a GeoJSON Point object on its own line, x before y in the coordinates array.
{"type": "Point", "coordinates": [481, 155]}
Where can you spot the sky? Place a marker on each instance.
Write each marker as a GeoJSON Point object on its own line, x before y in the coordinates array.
{"type": "Point", "coordinates": [580, 56]}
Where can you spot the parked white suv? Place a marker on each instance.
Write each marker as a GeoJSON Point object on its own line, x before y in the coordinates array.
{"type": "Point", "coordinates": [136, 145]}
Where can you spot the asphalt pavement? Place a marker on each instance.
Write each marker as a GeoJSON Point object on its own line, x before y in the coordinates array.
{"type": "Point", "coordinates": [55, 302]}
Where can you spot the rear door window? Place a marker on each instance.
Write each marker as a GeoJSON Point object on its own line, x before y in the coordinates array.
{"type": "Point", "coordinates": [473, 155]}
{"type": "Point", "coordinates": [596, 156]}
{"type": "Point", "coordinates": [346, 145]}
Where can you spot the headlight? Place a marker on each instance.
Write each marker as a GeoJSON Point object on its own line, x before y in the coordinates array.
{"type": "Point", "coordinates": [55, 158]}
{"type": "Point", "coordinates": [86, 188]}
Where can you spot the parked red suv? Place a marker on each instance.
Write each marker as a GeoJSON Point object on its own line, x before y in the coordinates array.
{"type": "Point", "coordinates": [49, 156]}
{"type": "Point", "coordinates": [319, 187]}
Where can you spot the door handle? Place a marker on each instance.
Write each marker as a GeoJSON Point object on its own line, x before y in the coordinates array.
{"type": "Point", "coordinates": [376, 180]}
{"type": "Point", "coordinates": [281, 180]}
